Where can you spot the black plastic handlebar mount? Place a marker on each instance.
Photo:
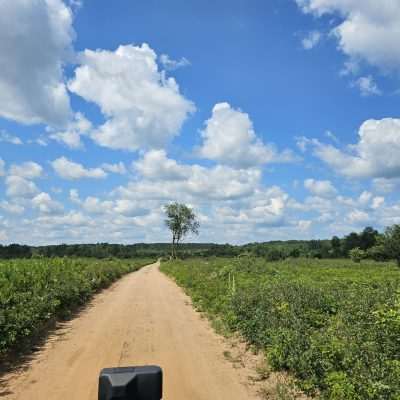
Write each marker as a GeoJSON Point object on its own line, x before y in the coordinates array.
{"type": "Point", "coordinates": [131, 383]}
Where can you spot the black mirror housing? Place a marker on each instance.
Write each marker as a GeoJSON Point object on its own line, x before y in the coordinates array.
{"type": "Point", "coordinates": [130, 383]}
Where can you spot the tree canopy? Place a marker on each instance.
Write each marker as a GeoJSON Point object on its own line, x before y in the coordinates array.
{"type": "Point", "coordinates": [392, 242]}
{"type": "Point", "coordinates": [181, 220]}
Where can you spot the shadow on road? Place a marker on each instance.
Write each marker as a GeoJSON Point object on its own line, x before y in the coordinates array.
{"type": "Point", "coordinates": [18, 361]}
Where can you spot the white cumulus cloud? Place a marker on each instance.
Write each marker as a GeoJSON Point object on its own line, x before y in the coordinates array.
{"type": "Point", "coordinates": [71, 170]}
{"type": "Point", "coordinates": [118, 168]}
{"type": "Point", "coordinates": [28, 170]}
{"type": "Point", "coordinates": [156, 165]}
{"type": "Point", "coordinates": [71, 136]}
{"type": "Point", "coordinates": [144, 108]}
{"type": "Point", "coordinates": [358, 217]}
{"type": "Point", "coordinates": [16, 186]}
{"type": "Point", "coordinates": [229, 138]}
{"type": "Point", "coordinates": [164, 177]}
{"type": "Point", "coordinates": [45, 204]}
{"type": "Point", "coordinates": [36, 38]}
{"type": "Point", "coordinates": [12, 208]}
{"type": "Point", "coordinates": [369, 30]}
{"type": "Point", "coordinates": [376, 155]}
{"type": "Point", "coordinates": [320, 188]}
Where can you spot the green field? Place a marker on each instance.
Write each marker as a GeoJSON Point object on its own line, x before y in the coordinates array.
{"type": "Point", "coordinates": [36, 291]}
{"type": "Point", "coordinates": [334, 324]}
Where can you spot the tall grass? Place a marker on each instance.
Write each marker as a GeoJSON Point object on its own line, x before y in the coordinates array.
{"type": "Point", "coordinates": [333, 324]}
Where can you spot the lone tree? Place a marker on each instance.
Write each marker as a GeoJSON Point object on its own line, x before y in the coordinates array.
{"type": "Point", "coordinates": [180, 220]}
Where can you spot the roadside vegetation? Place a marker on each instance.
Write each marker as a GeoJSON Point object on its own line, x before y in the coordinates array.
{"type": "Point", "coordinates": [333, 324]}
{"type": "Point", "coordinates": [36, 291]}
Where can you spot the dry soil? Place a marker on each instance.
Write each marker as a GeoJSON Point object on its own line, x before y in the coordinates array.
{"type": "Point", "coordinates": [144, 318]}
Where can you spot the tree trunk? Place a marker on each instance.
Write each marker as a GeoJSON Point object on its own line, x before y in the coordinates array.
{"type": "Point", "coordinates": [173, 247]}
{"type": "Point", "coordinates": [176, 248]}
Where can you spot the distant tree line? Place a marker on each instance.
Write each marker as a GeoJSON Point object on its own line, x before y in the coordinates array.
{"type": "Point", "coordinates": [107, 250]}
{"type": "Point", "coordinates": [368, 243]}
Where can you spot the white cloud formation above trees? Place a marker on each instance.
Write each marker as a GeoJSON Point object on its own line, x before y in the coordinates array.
{"type": "Point", "coordinates": [229, 138]}
{"type": "Point", "coordinates": [144, 108]}
{"type": "Point", "coordinates": [68, 169]}
{"type": "Point", "coordinates": [320, 188]}
{"type": "Point", "coordinates": [369, 30]}
{"type": "Point", "coordinates": [376, 155]}
{"type": "Point", "coordinates": [36, 94]}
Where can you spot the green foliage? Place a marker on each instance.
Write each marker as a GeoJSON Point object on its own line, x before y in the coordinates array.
{"type": "Point", "coordinates": [35, 291]}
{"type": "Point", "coordinates": [180, 220]}
{"type": "Point", "coordinates": [392, 242]}
{"type": "Point", "coordinates": [333, 324]}
{"type": "Point", "coordinates": [357, 254]}
{"type": "Point", "coordinates": [378, 247]}
{"type": "Point", "coordinates": [377, 253]}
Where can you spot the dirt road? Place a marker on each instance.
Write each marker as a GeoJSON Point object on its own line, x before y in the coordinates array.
{"type": "Point", "coordinates": [144, 318]}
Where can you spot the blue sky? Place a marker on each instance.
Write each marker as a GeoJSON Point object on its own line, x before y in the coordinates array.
{"type": "Point", "coordinates": [273, 120]}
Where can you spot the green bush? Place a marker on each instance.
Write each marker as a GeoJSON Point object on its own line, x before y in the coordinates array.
{"type": "Point", "coordinates": [377, 253]}
{"type": "Point", "coordinates": [334, 325]}
{"type": "Point", "coordinates": [34, 291]}
{"type": "Point", "coordinates": [357, 254]}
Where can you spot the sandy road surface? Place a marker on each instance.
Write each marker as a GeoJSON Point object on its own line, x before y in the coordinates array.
{"type": "Point", "coordinates": [144, 318]}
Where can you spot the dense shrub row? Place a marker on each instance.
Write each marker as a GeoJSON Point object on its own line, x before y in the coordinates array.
{"type": "Point", "coordinates": [334, 324]}
{"type": "Point", "coordinates": [35, 291]}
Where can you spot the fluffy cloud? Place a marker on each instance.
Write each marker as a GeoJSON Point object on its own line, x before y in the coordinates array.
{"type": "Point", "coordinates": [8, 138]}
{"type": "Point", "coordinates": [219, 182]}
{"type": "Point", "coordinates": [144, 108]}
{"type": "Point", "coordinates": [358, 217]}
{"type": "Point", "coordinates": [28, 170]}
{"type": "Point", "coordinates": [91, 204]}
{"type": "Point", "coordinates": [73, 218]}
{"type": "Point", "coordinates": [311, 40]}
{"type": "Point", "coordinates": [38, 34]}
{"type": "Point", "coordinates": [229, 138]}
{"type": "Point", "coordinates": [118, 168]}
{"type": "Point", "coordinates": [17, 186]}
{"type": "Point", "coordinates": [222, 182]}
{"type": "Point", "coordinates": [45, 204]}
{"type": "Point", "coordinates": [338, 214]}
{"type": "Point", "coordinates": [265, 208]}
{"type": "Point", "coordinates": [369, 30]}
{"type": "Point", "coordinates": [320, 188]}
{"type": "Point", "coordinates": [377, 202]}
{"type": "Point", "coordinates": [376, 155]}
{"type": "Point", "coordinates": [12, 208]}
{"type": "Point", "coordinates": [71, 136]}
{"type": "Point", "coordinates": [156, 165]}
{"type": "Point", "coordinates": [115, 208]}
{"type": "Point", "coordinates": [384, 185]}
{"type": "Point", "coordinates": [71, 170]}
